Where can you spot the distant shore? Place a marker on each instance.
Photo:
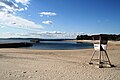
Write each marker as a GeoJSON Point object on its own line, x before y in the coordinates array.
{"type": "Point", "coordinates": [15, 45]}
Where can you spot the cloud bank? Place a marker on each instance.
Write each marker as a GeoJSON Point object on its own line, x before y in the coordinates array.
{"type": "Point", "coordinates": [45, 35]}
{"type": "Point", "coordinates": [24, 2]}
{"type": "Point", "coordinates": [8, 7]}
{"type": "Point", "coordinates": [8, 19]}
{"type": "Point", "coordinates": [11, 20]}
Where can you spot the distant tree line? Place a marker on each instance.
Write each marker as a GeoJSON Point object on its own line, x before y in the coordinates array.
{"type": "Point", "coordinates": [89, 37]}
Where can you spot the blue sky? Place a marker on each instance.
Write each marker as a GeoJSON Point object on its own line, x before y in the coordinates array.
{"type": "Point", "coordinates": [58, 18]}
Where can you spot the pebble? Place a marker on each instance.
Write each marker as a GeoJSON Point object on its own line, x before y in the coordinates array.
{"type": "Point", "coordinates": [36, 71]}
{"type": "Point", "coordinates": [10, 74]}
{"type": "Point", "coordinates": [29, 76]}
{"type": "Point", "coordinates": [24, 72]}
{"type": "Point", "coordinates": [17, 75]}
{"type": "Point", "coordinates": [22, 75]}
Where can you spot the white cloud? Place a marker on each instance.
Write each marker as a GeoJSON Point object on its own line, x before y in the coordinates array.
{"type": "Point", "coordinates": [7, 18]}
{"type": "Point", "coordinates": [47, 14]}
{"type": "Point", "coordinates": [47, 22]}
{"type": "Point", "coordinates": [26, 8]}
{"type": "Point", "coordinates": [7, 35]}
{"type": "Point", "coordinates": [42, 34]}
{"type": "Point", "coordinates": [52, 35]}
{"type": "Point", "coordinates": [8, 7]}
{"type": "Point", "coordinates": [21, 9]}
{"type": "Point", "coordinates": [41, 15]}
{"type": "Point", "coordinates": [24, 2]}
{"type": "Point", "coordinates": [2, 26]}
{"type": "Point", "coordinates": [15, 21]}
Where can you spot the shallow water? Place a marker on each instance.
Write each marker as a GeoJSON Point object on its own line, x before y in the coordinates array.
{"type": "Point", "coordinates": [60, 45]}
{"type": "Point", "coordinates": [52, 45]}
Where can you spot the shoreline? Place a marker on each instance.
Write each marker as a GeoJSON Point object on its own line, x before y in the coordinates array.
{"type": "Point", "coordinates": [15, 45]}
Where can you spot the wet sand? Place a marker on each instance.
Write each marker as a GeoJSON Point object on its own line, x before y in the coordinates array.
{"type": "Point", "coordinates": [28, 64]}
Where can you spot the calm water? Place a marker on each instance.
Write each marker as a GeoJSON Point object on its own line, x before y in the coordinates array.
{"type": "Point", "coordinates": [52, 45]}
{"type": "Point", "coordinates": [13, 40]}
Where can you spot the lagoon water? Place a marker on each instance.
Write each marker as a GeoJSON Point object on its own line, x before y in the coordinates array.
{"type": "Point", "coordinates": [60, 45]}
{"type": "Point", "coordinates": [51, 45]}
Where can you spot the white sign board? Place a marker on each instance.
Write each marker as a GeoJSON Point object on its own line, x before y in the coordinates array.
{"type": "Point", "coordinates": [97, 47]}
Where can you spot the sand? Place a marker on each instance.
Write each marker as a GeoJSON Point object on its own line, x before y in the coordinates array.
{"type": "Point", "coordinates": [26, 64]}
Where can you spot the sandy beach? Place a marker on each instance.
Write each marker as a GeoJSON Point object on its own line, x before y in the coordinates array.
{"type": "Point", "coordinates": [26, 64]}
